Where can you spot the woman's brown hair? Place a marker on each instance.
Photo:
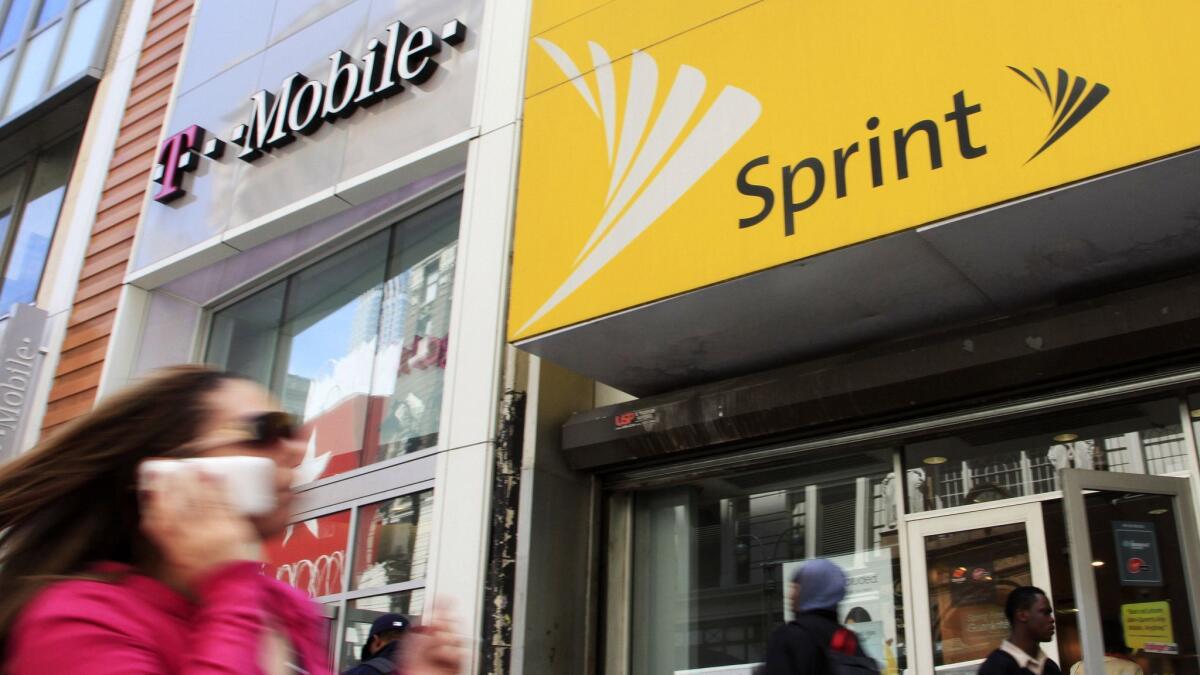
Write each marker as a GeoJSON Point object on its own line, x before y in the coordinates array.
{"type": "Point", "coordinates": [72, 501]}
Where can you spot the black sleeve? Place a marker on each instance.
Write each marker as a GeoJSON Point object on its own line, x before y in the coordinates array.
{"type": "Point", "coordinates": [998, 663]}
{"type": "Point", "coordinates": [791, 650]}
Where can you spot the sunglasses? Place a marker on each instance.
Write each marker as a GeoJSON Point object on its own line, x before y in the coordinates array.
{"type": "Point", "coordinates": [269, 428]}
{"type": "Point", "coordinates": [258, 431]}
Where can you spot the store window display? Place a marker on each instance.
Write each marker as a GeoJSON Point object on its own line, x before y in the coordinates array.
{"type": "Point", "coordinates": [711, 557]}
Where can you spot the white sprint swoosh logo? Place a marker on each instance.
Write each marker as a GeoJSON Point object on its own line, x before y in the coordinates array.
{"type": "Point", "coordinates": [636, 195]}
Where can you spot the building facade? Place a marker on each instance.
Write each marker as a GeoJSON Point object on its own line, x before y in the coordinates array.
{"type": "Point", "coordinates": [906, 287]}
{"type": "Point", "coordinates": [317, 195]}
{"type": "Point", "coordinates": [600, 327]}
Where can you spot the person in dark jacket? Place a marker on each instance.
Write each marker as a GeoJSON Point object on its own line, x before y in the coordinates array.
{"type": "Point", "coordinates": [800, 645]}
{"type": "Point", "coordinates": [1029, 613]}
{"type": "Point", "coordinates": [379, 653]}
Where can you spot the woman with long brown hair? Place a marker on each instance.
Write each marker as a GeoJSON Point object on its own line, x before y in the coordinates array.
{"type": "Point", "coordinates": [98, 577]}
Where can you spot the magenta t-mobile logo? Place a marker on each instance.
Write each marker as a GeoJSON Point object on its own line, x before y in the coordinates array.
{"type": "Point", "coordinates": [177, 157]}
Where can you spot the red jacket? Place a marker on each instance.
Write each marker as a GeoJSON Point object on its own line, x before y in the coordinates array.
{"type": "Point", "coordinates": [139, 626]}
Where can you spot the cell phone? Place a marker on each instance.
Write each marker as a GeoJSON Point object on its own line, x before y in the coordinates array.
{"type": "Point", "coordinates": [250, 481]}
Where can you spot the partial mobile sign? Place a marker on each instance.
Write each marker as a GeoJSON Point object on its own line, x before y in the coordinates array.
{"type": "Point", "coordinates": [20, 353]}
{"type": "Point", "coordinates": [1137, 553]}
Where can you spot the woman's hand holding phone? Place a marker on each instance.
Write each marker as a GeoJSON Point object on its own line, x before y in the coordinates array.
{"type": "Point", "coordinates": [187, 515]}
{"type": "Point", "coordinates": [434, 648]}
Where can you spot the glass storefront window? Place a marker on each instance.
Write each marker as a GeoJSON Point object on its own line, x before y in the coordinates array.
{"type": "Point", "coordinates": [1022, 458]}
{"type": "Point", "coordinates": [311, 555]}
{"type": "Point", "coordinates": [43, 201]}
{"type": "Point", "coordinates": [31, 197]}
{"type": "Point", "coordinates": [713, 558]}
{"type": "Point", "coordinates": [392, 543]}
{"type": "Point", "coordinates": [414, 333]}
{"type": "Point", "coordinates": [363, 611]}
{"type": "Point", "coordinates": [356, 344]}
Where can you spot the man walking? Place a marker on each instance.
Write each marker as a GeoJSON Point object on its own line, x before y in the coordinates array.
{"type": "Point", "coordinates": [814, 643]}
{"type": "Point", "coordinates": [1032, 620]}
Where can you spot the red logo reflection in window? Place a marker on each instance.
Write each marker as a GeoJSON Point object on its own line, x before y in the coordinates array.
{"type": "Point", "coordinates": [424, 352]}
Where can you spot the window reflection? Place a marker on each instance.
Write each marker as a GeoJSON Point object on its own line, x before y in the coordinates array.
{"type": "Point", "coordinates": [414, 331]}
{"type": "Point", "coordinates": [392, 544]}
{"type": "Point", "coordinates": [1023, 457]}
{"type": "Point", "coordinates": [51, 9]}
{"type": "Point", "coordinates": [356, 344]}
{"type": "Point", "coordinates": [27, 257]}
{"type": "Point", "coordinates": [14, 23]}
{"type": "Point", "coordinates": [36, 65]}
{"type": "Point", "coordinates": [87, 25]}
{"type": "Point", "coordinates": [327, 348]}
{"type": "Point", "coordinates": [311, 555]}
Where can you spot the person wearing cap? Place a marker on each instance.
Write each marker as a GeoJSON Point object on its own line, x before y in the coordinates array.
{"type": "Point", "coordinates": [379, 652]}
{"type": "Point", "coordinates": [813, 639]}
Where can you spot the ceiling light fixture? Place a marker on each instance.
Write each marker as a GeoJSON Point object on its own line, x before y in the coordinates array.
{"type": "Point", "coordinates": [1097, 563]}
{"type": "Point", "coordinates": [1066, 438]}
{"type": "Point", "coordinates": [1157, 512]}
{"type": "Point", "coordinates": [936, 459]}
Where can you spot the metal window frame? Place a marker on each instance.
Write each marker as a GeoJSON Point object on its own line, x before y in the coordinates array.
{"type": "Point", "coordinates": [390, 217]}
{"type": "Point", "coordinates": [337, 604]}
{"type": "Point", "coordinates": [618, 585]}
{"type": "Point", "coordinates": [28, 166]}
{"type": "Point", "coordinates": [1083, 581]}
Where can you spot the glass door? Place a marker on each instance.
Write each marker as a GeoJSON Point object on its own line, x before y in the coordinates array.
{"type": "Point", "coordinates": [964, 566]}
{"type": "Point", "coordinates": [1134, 568]}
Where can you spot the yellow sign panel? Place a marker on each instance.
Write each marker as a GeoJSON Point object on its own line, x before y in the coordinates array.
{"type": "Point", "coordinates": [668, 146]}
{"type": "Point", "coordinates": [1147, 623]}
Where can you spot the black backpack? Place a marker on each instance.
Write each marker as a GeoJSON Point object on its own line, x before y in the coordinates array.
{"type": "Point", "coordinates": [842, 655]}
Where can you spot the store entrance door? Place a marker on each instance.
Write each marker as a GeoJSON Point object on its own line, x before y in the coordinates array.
{"type": "Point", "coordinates": [1135, 566]}
{"type": "Point", "coordinates": [964, 565]}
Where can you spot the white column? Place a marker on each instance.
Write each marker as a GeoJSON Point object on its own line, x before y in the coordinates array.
{"type": "Point", "coordinates": [1135, 453]}
{"type": "Point", "coordinates": [1026, 475]}
{"type": "Point", "coordinates": [477, 328]}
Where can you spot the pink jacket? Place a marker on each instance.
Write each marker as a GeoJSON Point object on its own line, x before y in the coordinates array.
{"type": "Point", "coordinates": [139, 626]}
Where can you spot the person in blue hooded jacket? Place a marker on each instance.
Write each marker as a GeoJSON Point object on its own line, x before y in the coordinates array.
{"type": "Point", "coordinates": [803, 644]}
